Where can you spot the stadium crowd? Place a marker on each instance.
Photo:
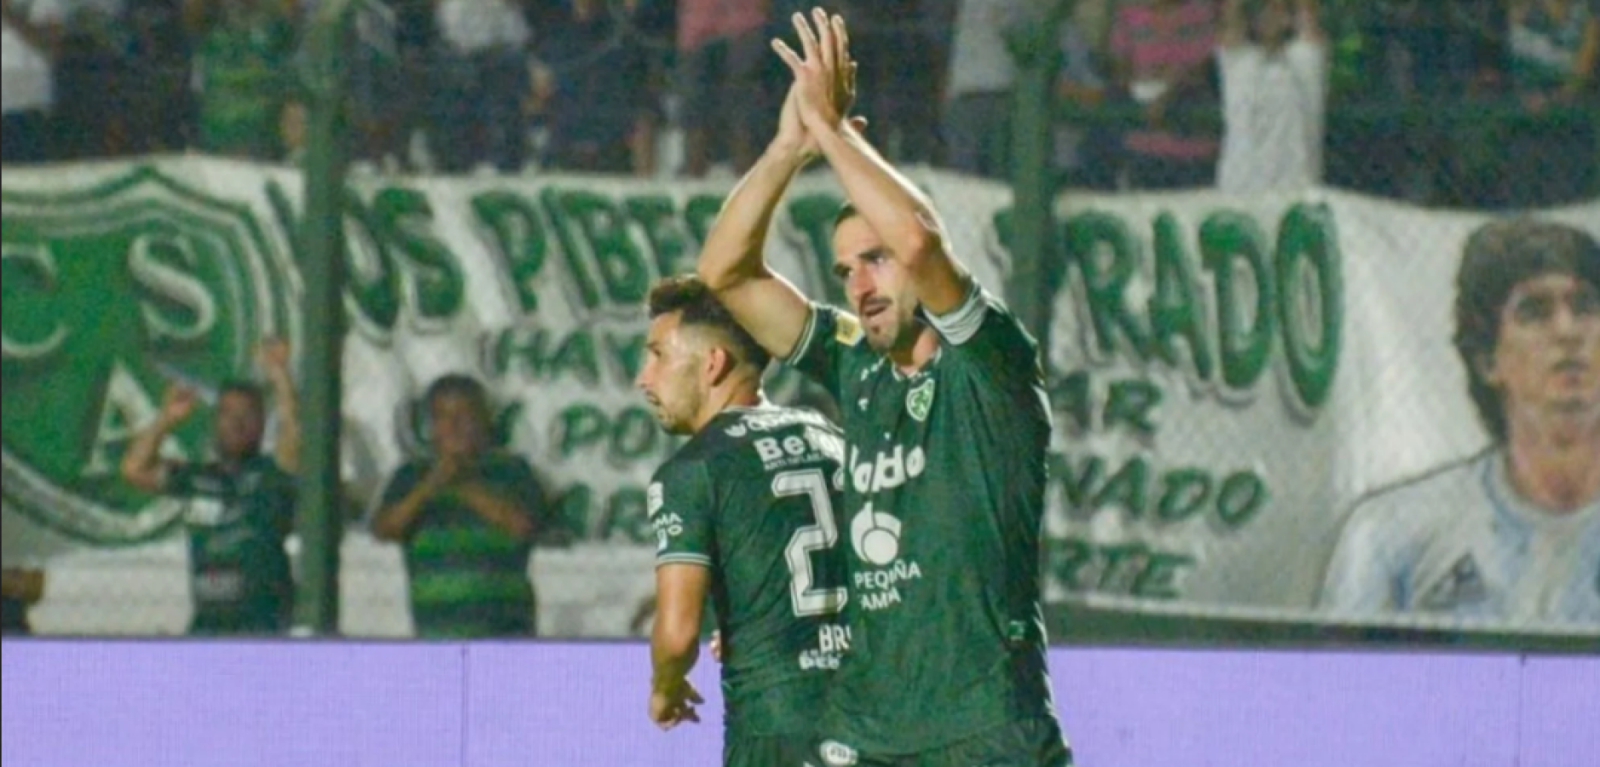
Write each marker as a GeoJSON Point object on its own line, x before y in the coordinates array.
{"type": "Point", "coordinates": [1402, 98]}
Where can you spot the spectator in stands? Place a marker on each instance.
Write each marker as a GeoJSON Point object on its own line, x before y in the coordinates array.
{"type": "Point", "coordinates": [978, 94]}
{"type": "Point", "coordinates": [157, 101]}
{"type": "Point", "coordinates": [30, 42]}
{"type": "Point", "coordinates": [240, 505]}
{"type": "Point", "coordinates": [905, 47]}
{"type": "Point", "coordinates": [595, 88]}
{"type": "Point", "coordinates": [1273, 63]}
{"type": "Point", "coordinates": [19, 589]}
{"type": "Point", "coordinates": [466, 516]}
{"type": "Point", "coordinates": [480, 76]}
{"type": "Point", "coordinates": [1554, 53]}
{"type": "Point", "coordinates": [1161, 56]}
{"type": "Point", "coordinates": [243, 77]}
{"type": "Point", "coordinates": [1086, 156]}
{"type": "Point", "coordinates": [722, 58]}
{"type": "Point", "coordinates": [90, 74]}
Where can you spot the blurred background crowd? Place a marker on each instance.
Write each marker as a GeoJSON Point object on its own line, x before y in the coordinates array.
{"type": "Point", "coordinates": [1476, 103]}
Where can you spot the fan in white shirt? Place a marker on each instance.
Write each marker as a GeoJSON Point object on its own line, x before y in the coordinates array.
{"type": "Point", "coordinates": [1273, 60]}
{"type": "Point", "coordinates": [1512, 535]}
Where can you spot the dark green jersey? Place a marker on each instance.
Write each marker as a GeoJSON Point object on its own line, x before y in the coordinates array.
{"type": "Point", "coordinates": [467, 577]}
{"type": "Point", "coordinates": [944, 505]}
{"type": "Point", "coordinates": [752, 496]}
{"type": "Point", "coordinates": [238, 521]}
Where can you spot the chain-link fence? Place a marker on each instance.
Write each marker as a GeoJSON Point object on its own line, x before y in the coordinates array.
{"type": "Point", "coordinates": [1235, 362]}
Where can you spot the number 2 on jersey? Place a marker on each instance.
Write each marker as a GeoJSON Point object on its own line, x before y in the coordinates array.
{"type": "Point", "coordinates": [806, 598]}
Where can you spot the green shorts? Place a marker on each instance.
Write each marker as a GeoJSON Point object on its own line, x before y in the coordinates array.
{"type": "Point", "coordinates": [1025, 743]}
{"type": "Point", "coordinates": [767, 750]}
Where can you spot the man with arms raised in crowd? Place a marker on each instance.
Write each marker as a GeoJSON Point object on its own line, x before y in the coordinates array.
{"type": "Point", "coordinates": [744, 512]}
{"type": "Point", "coordinates": [239, 506]}
{"type": "Point", "coordinates": [1511, 535]}
{"type": "Point", "coordinates": [948, 425]}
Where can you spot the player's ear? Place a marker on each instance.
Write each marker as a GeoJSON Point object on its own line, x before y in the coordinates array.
{"type": "Point", "coordinates": [719, 364]}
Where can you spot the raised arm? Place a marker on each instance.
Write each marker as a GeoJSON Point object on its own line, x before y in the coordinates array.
{"type": "Point", "coordinates": [896, 210]}
{"type": "Point", "coordinates": [274, 357]}
{"type": "Point", "coordinates": [141, 464]}
{"type": "Point", "coordinates": [1308, 21]}
{"type": "Point", "coordinates": [731, 262]}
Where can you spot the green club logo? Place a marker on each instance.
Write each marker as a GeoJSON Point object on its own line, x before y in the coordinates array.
{"type": "Point", "coordinates": [919, 401]}
{"type": "Point", "coordinates": [109, 294]}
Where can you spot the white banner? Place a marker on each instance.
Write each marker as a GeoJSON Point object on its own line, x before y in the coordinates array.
{"type": "Point", "coordinates": [1229, 376]}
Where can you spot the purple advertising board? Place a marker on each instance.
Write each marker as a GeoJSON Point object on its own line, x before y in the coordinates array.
{"type": "Point", "coordinates": [349, 704]}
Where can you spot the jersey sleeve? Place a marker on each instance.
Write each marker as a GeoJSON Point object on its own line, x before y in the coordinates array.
{"type": "Point", "coordinates": [1363, 577]}
{"type": "Point", "coordinates": [819, 354]}
{"type": "Point", "coordinates": [514, 477]}
{"type": "Point", "coordinates": [682, 512]}
{"type": "Point", "coordinates": [987, 336]}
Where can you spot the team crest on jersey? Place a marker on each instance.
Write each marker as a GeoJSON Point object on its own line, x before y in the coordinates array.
{"type": "Point", "coordinates": [836, 754]}
{"type": "Point", "coordinates": [1463, 585]}
{"type": "Point", "coordinates": [919, 401]}
{"type": "Point", "coordinates": [847, 330]}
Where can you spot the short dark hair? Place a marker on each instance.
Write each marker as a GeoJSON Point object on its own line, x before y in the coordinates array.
{"type": "Point", "coordinates": [1497, 257]}
{"type": "Point", "coordinates": [250, 390]}
{"type": "Point", "coordinates": [460, 385]}
{"type": "Point", "coordinates": [847, 210]}
{"type": "Point", "coordinates": [698, 306]}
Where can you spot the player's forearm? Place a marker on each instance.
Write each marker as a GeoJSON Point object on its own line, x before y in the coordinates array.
{"type": "Point", "coordinates": [733, 248]}
{"type": "Point", "coordinates": [895, 209]}
{"type": "Point", "coordinates": [673, 652]}
{"type": "Point", "coordinates": [491, 507]}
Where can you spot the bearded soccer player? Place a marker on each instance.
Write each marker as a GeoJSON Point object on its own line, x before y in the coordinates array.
{"type": "Point", "coordinates": [744, 513]}
{"type": "Point", "coordinates": [948, 424]}
{"type": "Point", "coordinates": [1512, 534]}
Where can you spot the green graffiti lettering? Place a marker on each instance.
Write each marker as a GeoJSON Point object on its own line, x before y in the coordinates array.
{"type": "Point", "coordinates": [1076, 484]}
{"type": "Point", "coordinates": [1311, 317]}
{"type": "Point", "coordinates": [374, 279]}
{"type": "Point", "coordinates": [437, 285]}
{"type": "Point", "coordinates": [812, 216]}
{"type": "Point", "coordinates": [518, 239]}
{"type": "Point", "coordinates": [1175, 310]}
{"type": "Point", "coordinates": [626, 514]}
{"type": "Point", "coordinates": [1073, 396]}
{"type": "Point", "coordinates": [576, 356]}
{"type": "Point", "coordinates": [627, 352]}
{"type": "Point", "coordinates": [700, 213]}
{"type": "Point", "coordinates": [1119, 560]}
{"type": "Point", "coordinates": [1184, 492]}
{"type": "Point", "coordinates": [1068, 559]}
{"type": "Point", "coordinates": [1244, 337]}
{"type": "Point", "coordinates": [1240, 499]}
{"type": "Point", "coordinates": [30, 278]}
{"type": "Point", "coordinates": [604, 230]}
{"type": "Point", "coordinates": [566, 231]}
{"type": "Point", "coordinates": [1127, 488]}
{"type": "Point", "coordinates": [668, 240]}
{"type": "Point", "coordinates": [1130, 404]}
{"type": "Point", "coordinates": [578, 427]}
{"type": "Point", "coordinates": [634, 434]}
{"type": "Point", "coordinates": [1093, 239]}
{"type": "Point", "coordinates": [1159, 578]}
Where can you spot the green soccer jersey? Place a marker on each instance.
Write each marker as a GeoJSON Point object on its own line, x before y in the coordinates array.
{"type": "Point", "coordinates": [469, 578]}
{"type": "Point", "coordinates": [238, 521]}
{"type": "Point", "coordinates": [942, 508]}
{"type": "Point", "coordinates": [752, 496]}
